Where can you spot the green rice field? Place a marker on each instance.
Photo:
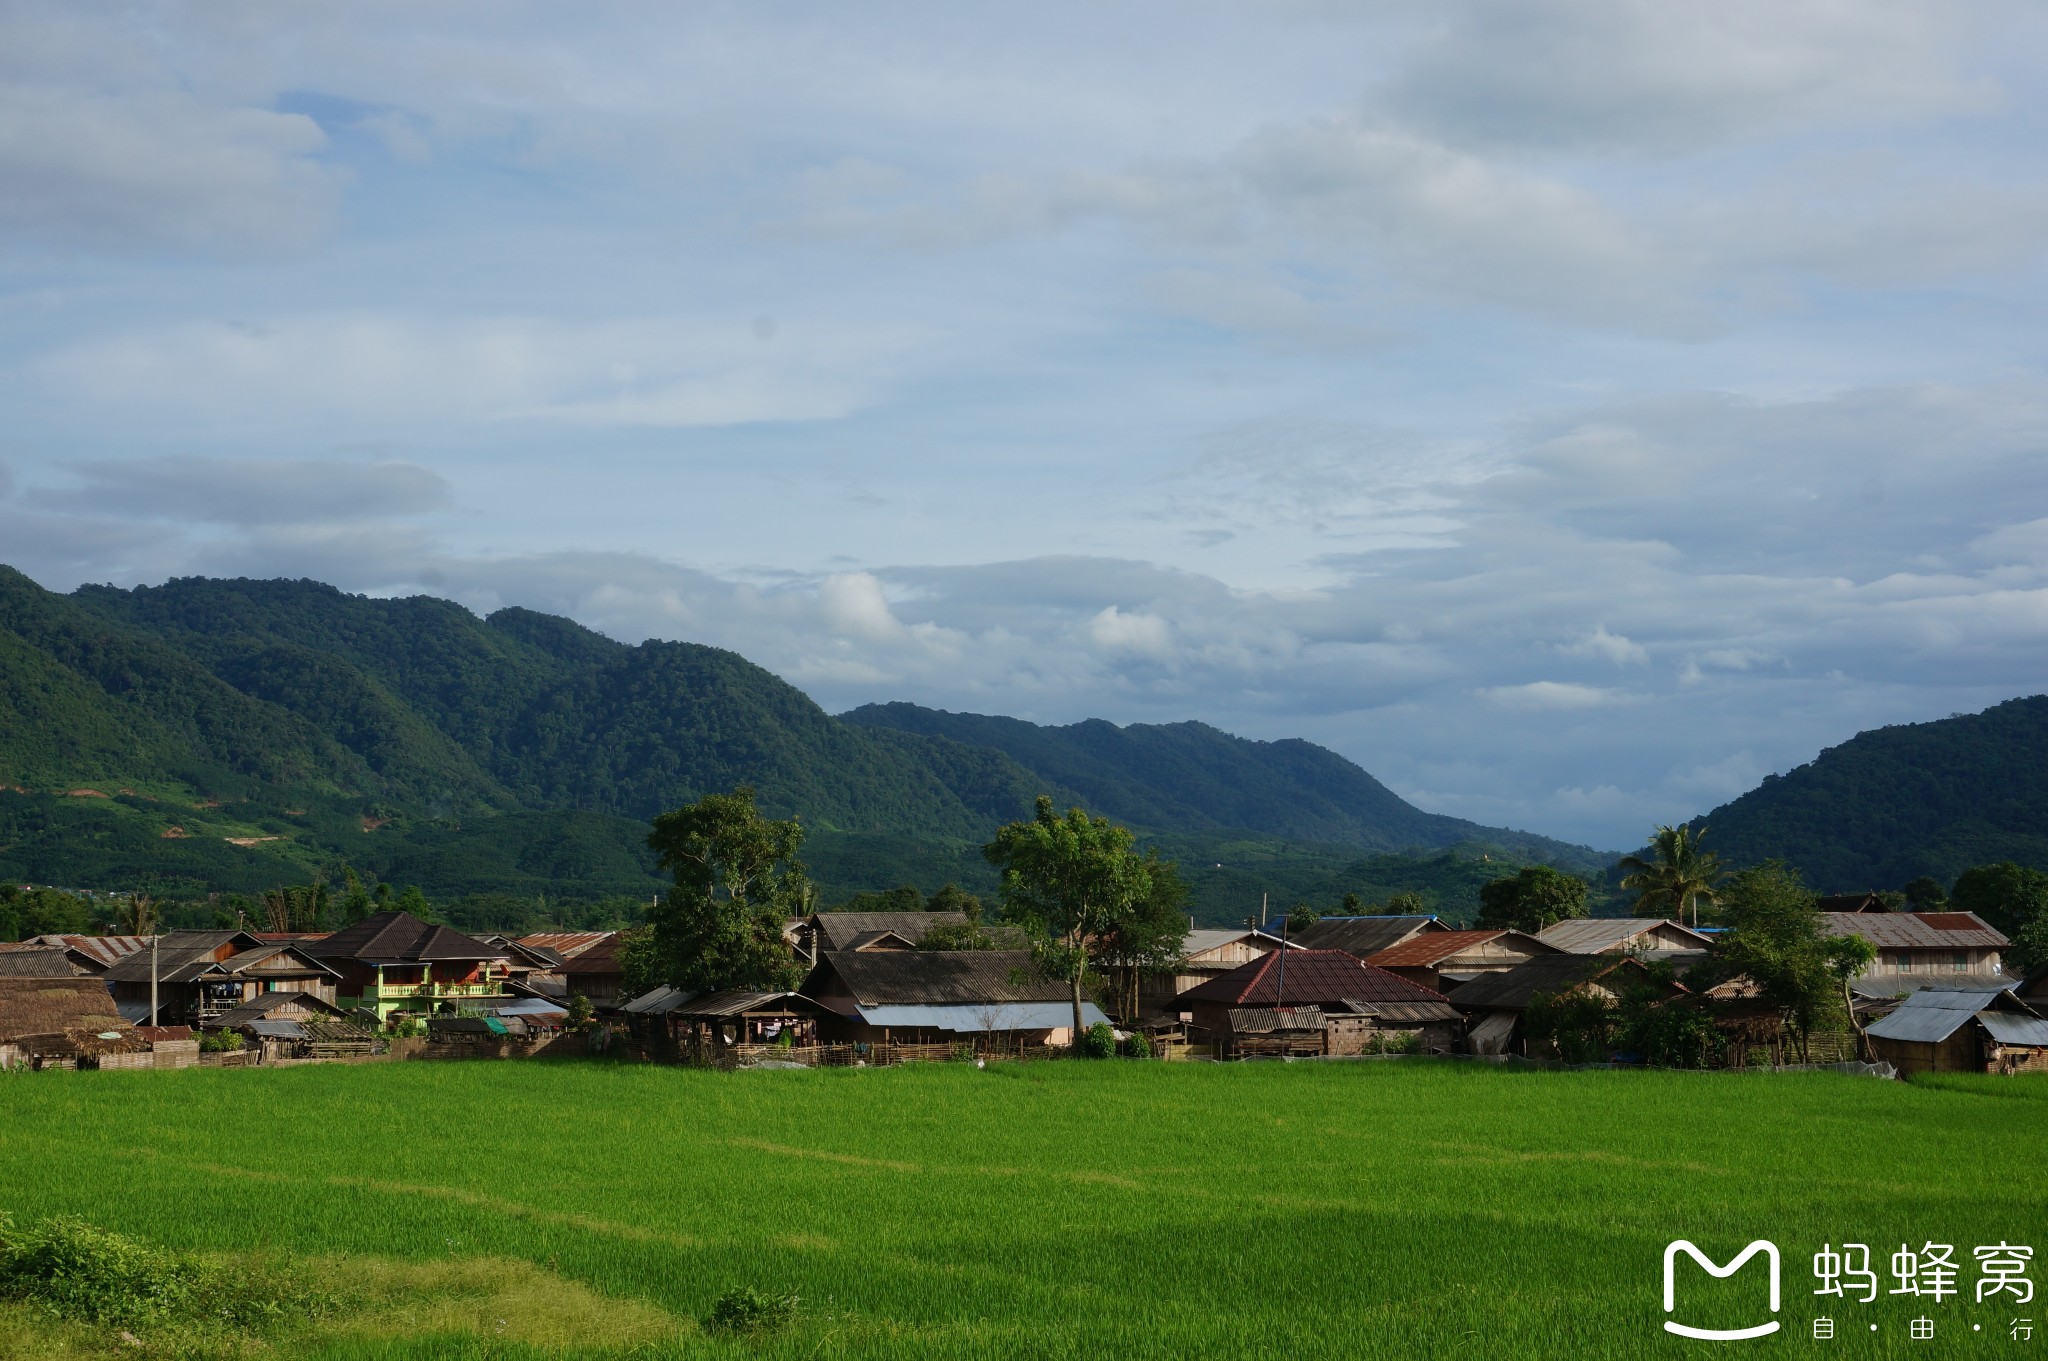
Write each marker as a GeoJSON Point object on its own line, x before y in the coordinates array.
{"type": "Point", "coordinates": [1063, 1209]}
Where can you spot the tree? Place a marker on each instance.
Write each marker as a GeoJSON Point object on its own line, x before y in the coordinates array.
{"type": "Point", "coordinates": [136, 915]}
{"type": "Point", "coordinates": [1536, 897]}
{"type": "Point", "coordinates": [1151, 938]}
{"type": "Point", "coordinates": [1679, 876]}
{"type": "Point", "coordinates": [737, 881]}
{"type": "Point", "coordinates": [1777, 940]}
{"type": "Point", "coordinates": [1407, 905]}
{"type": "Point", "coordinates": [1300, 918]}
{"type": "Point", "coordinates": [1353, 905]}
{"type": "Point", "coordinates": [2007, 895]}
{"type": "Point", "coordinates": [1924, 895]}
{"type": "Point", "coordinates": [1070, 879]}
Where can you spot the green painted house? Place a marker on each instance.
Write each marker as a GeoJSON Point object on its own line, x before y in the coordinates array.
{"type": "Point", "coordinates": [395, 963]}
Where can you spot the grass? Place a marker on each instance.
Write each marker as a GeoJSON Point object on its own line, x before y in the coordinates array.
{"type": "Point", "coordinates": [1392, 1210]}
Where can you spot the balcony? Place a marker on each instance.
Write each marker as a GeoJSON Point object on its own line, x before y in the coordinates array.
{"type": "Point", "coordinates": [402, 992]}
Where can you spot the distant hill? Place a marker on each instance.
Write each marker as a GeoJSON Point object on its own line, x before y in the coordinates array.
{"type": "Point", "coordinates": [1193, 777]}
{"type": "Point", "coordinates": [237, 734]}
{"type": "Point", "coordinates": [1895, 803]}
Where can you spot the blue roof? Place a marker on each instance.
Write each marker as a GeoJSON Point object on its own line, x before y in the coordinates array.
{"type": "Point", "coordinates": [974, 1018]}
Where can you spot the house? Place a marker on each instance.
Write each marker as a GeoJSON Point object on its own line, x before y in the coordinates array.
{"type": "Point", "coordinates": [62, 1023]}
{"type": "Point", "coordinates": [1205, 954]}
{"type": "Point", "coordinates": [1441, 960]}
{"type": "Point", "coordinates": [935, 996]}
{"type": "Point", "coordinates": [1357, 1006]}
{"type": "Point", "coordinates": [558, 946]}
{"type": "Point", "coordinates": [832, 932]}
{"type": "Point", "coordinates": [1358, 936]}
{"type": "Point", "coordinates": [1850, 902]}
{"type": "Point", "coordinates": [1647, 937]}
{"type": "Point", "coordinates": [1962, 1030]}
{"type": "Point", "coordinates": [296, 1025]}
{"type": "Point", "coordinates": [524, 962]}
{"type": "Point", "coordinates": [596, 972]}
{"type": "Point", "coordinates": [2033, 989]}
{"type": "Point", "coordinates": [41, 961]}
{"type": "Point", "coordinates": [716, 1025]}
{"type": "Point", "coordinates": [197, 975]}
{"type": "Point", "coordinates": [1915, 948]}
{"type": "Point", "coordinates": [394, 963]}
{"type": "Point", "coordinates": [1494, 1003]}
{"type": "Point", "coordinates": [94, 954]}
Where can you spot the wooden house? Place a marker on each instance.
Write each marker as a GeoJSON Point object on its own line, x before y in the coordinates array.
{"type": "Point", "coordinates": [1975, 1030]}
{"type": "Point", "coordinates": [1494, 1003]}
{"type": "Point", "coordinates": [197, 975]}
{"type": "Point", "coordinates": [1356, 1007]}
{"type": "Point", "coordinates": [1645, 937]}
{"type": "Point", "coordinates": [94, 954]}
{"type": "Point", "coordinates": [1442, 960]}
{"type": "Point", "coordinates": [597, 973]}
{"type": "Point", "coordinates": [834, 932]}
{"type": "Point", "coordinates": [1917, 948]}
{"type": "Point", "coordinates": [715, 1026]}
{"type": "Point", "coordinates": [940, 996]}
{"type": "Point", "coordinates": [560, 947]}
{"type": "Point", "coordinates": [393, 963]}
{"type": "Point", "coordinates": [1205, 954]}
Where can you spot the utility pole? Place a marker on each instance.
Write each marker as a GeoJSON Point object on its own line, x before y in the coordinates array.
{"type": "Point", "coordinates": [1262, 910]}
{"type": "Point", "coordinates": [152, 976]}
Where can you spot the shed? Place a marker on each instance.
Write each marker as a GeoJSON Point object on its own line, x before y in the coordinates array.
{"type": "Point", "coordinates": [936, 996]}
{"type": "Point", "coordinates": [61, 1021]}
{"type": "Point", "coordinates": [1962, 1030]}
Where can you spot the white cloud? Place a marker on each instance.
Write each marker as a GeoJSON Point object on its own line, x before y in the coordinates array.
{"type": "Point", "coordinates": [1565, 695]}
{"type": "Point", "coordinates": [246, 491]}
{"type": "Point", "coordinates": [1615, 647]}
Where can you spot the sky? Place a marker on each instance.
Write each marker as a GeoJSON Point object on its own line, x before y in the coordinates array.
{"type": "Point", "coordinates": [1570, 410]}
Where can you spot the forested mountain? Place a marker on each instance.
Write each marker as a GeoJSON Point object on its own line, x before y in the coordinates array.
{"type": "Point", "coordinates": [233, 734]}
{"type": "Point", "coordinates": [1895, 803]}
{"type": "Point", "coordinates": [1194, 777]}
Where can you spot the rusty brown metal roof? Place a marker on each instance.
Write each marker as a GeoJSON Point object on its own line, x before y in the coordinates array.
{"type": "Point", "coordinates": [1917, 930]}
{"type": "Point", "coordinates": [567, 944]}
{"type": "Point", "coordinates": [1308, 976]}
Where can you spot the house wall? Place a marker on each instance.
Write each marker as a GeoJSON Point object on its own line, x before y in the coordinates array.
{"type": "Point", "coordinates": [2015, 1058]}
{"type": "Point", "coordinates": [1959, 1053]}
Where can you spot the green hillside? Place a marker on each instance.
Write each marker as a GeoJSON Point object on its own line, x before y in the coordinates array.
{"type": "Point", "coordinates": [209, 735]}
{"type": "Point", "coordinates": [1192, 777]}
{"type": "Point", "coordinates": [1895, 803]}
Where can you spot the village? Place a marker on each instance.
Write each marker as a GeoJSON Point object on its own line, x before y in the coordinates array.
{"type": "Point", "coordinates": [1935, 997]}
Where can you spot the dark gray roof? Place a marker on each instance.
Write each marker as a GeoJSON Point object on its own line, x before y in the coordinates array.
{"type": "Point", "coordinates": [267, 955]}
{"type": "Point", "coordinates": [400, 938]}
{"type": "Point", "coordinates": [1917, 930]}
{"type": "Point", "coordinates": [1360, 936]}
{"type": "Point", "coordinates": [840, 930]}
{"type": "Point", "coordinates": [1932, 1015]}
{"type": "Point", "coordinates": [47, 961]}
{"type": "Point", "coordinates": [1602, 935]}
{"type": "Point", "coordinates": [1548, 975]}
{"type": "Point", "coordinates": [179, 957]}
{"type": "Point", "coordinates": [936, 977]}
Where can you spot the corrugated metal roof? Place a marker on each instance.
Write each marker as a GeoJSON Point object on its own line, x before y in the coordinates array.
{"type": "Point", "coordinates": [936, 977]}
{"type": "Point", "coordinates": [1600, 935]}
{"type": "Point", "coordinates": [263, 1004]}
{"type": "Point", "coordinates": [1932, 1015]}
{"type": "Point", "coordinates": [661, 1001]}
{"type": "Point", "coordinates": [1917, 930]}
{"type": "Point", "coordinates": [841, 929]}
{"type": "Point", "coordinates": [1360, 936]}
{"type": "Point", "coordinates": [1416, 1011]}
{"type": "Point", "coordinates": [2007, 1028]}
{"type": "Point", "coordinates": [1266, 1020]}
{"type": "Point", "coordinates": [40, 961]}
{"type": "Point", "coordinates": [102, 950]}
{"type": "Point", "coordinates": [567, 944]}
{"type": "Point", "coordinates": [740, 1003]}
{"type": "Point", "coordinates": [400, 938]}
{"type": "Point", "coordinates": [1548, 975]}
{"type": "Point", "coordinates": [1431, 947]}
{"type": "Point", "coordinates": [976, 1019]}
{"type": "Point", "coordinates": [279, 1030]}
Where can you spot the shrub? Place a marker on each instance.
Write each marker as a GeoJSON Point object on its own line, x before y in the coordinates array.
{"type": "Point", "coordinates": [744, 1309]}
{"type": "Point", "coordinates": [1098, 1041]}
{"type": "Point", "coordinates": [1137, 1046]}
{"type": "Point", "coordinates": [220, 1041]}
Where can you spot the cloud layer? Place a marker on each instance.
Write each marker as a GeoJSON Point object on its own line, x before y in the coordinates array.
{"type": "Point", "coordinates": [1571, 411]}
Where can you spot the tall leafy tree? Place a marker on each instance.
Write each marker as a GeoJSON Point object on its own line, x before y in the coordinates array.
{"type": "Point", "coordinates": [737, 881]}
{"type": "Point", "coordinates": [1536, 897]}
{"type": "Point", "coordinates": [2009, 896]}
{"type": "Point", "coordinates": [1676, 875]}
{"type": "Point", "coordinates": [1777, 940]}
{"type": "Point", "coordinates": [1073, 880]}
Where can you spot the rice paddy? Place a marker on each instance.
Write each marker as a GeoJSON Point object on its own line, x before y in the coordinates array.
{"type": "Point", "coordinates": [1377, 1209]}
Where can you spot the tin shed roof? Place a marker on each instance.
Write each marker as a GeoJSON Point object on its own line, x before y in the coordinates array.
{"type": "Point", "coordinates": [1917, 930]}
{"type": "Point", "coordinates": [1599, 935]}
{"type": "Point", "coordinates": [1360, 936]}
{"type": "Point", "coordinates": [1545, 975]}
{"type": "Point", "coordinates": [1433, 947]}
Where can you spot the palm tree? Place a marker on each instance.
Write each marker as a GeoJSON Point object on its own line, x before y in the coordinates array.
{"type": "Point", "coordinates": [1681, 874]}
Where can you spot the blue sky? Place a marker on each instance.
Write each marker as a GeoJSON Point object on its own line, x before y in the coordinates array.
{"type": "Point", "coordinates": [1570, 411]}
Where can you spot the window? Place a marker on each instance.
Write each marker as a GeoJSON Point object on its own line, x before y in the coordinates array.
{"type": "Point", "coordinates": [1902, 962]}
{"type": "Point", "coordinates": [1960, 961]}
